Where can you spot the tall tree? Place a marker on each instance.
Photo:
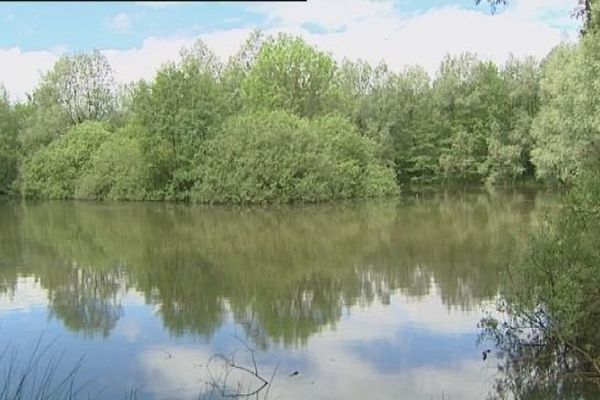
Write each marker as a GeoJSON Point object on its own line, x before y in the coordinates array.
{"type": "Point", "coordinates": [80, 87]}
{"type": "Point", "coordinates": [181, 108]}
{"type": "Point", "coordinates": [469, 96]}
{"type": "Point", "coordinates": [290, 75]}
{"type": "Point", "coordinates": [84, 85]}
{"type": "Point", "coordinates": [239, 66]}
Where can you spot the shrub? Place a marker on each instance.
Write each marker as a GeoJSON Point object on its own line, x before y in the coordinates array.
{"type": "Point", "coordinates": [117, 171]}
{"type": "Point", "coordinates": [53, 172]}
{"type": "Point", "coordinates": [277, 157]}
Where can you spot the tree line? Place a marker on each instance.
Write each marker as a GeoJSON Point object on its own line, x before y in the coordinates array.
{"type": "Point", "coordinates": [282, 121]}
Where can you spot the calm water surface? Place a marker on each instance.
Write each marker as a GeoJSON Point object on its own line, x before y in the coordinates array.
{"type": "Point", "coordinates": [355, 300]}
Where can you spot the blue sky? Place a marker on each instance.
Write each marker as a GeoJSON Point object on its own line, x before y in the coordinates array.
{"type": "Point", "coordinates": [138, 37]}
{"type": "Point", "coordinates": [87, 25]}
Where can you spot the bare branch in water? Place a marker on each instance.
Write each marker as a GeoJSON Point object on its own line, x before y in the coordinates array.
{"type": "Point", "coordinates": [220, 384]}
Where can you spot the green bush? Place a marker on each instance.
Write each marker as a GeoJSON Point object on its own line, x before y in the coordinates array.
{"type": "Point", "coordinates": [277, 157]}
{"type": "Point", "coordinates": [117, 171]}
{"type": "Point", "coordinates": [54, 171]}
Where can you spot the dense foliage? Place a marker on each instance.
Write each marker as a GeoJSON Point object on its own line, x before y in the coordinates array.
{"type": "Point", "coordinates": [54, 171]}
{"type": "Point", "coordinates": [282, 121]}
{"type": "Point", "coordinates": [276, 156]}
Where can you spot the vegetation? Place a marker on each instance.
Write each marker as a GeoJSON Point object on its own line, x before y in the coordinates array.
{"type": "Point", "coordinates": [548, 330]}
{"type": "Point", "coordinates": [276, 156]}
{"type": "Point", "coordinates": [8, 144]}
{"type": "Point", "coordinates": [284, 122]}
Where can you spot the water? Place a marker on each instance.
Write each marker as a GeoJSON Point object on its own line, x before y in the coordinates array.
{"type": "Point", "coordinates": [356, 300]}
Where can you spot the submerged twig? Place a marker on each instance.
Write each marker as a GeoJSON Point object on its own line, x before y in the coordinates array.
{"type": "Point", "coordinates": [220, 383]}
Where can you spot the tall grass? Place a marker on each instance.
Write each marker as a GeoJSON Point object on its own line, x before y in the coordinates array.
{"type": "Point", "coordinates": [39, 376]}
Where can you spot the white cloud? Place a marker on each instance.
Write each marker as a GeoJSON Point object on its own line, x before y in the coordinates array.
{"type": "Point", "coordinates": [28, 295]}
{"type": "Point", "coordinates": [332, 368]}
{"type": "Point", "coordinates": [20, 71]}
{"type": "Point", "coordinates": [355, 29]}
{"type": "Point", "coordinates": [330, 14]}
{"type": "Point", "coordinates": [134, 64]}
{"type": "Point", "coordinates": [121, 22]}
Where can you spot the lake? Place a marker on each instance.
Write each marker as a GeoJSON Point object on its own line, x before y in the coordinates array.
{"type": "Point", "coordinates": [354, 300]}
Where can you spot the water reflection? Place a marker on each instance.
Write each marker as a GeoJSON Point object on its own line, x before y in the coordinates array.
{"type": "Point", "coordinates": [392, 277]}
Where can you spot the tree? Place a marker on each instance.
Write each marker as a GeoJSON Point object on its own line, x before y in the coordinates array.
{"type": "Point", "coordinates": [239, 66]}
{"type": "Point", "coordinates": [510, 140]}
{"type": "Point", "coordinates": [180, 109]}
{"type": "Point", "coordinates": [289, 75]}
{"type": "Point", "coordinates": [8, 143]}
{"type": "Point", "coordinates": [80, 87]}
{"type": "Point", "coordinates": [563, 129]}
{"type": "Point", "coordinates": [84, 86]}
{"type": "Point", "coordinates": [470, 98]}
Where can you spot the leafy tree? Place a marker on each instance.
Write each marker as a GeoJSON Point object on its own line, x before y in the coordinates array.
{"type": "Point", "coordinates": [474, 122]}
{"type": "Point", "coordinates": [470, 97]}
{"type": "Point", "coordinates": [567, 123]}
{"type": "Point", "coordinates": [44, 120]}
{"type": "Point", "coordinates": [404, 115]}
{"type": "Point", "coordinates": [239, 66]}
{"type": "Point", "coordinates": [393, 109]}
{"type": "Point", "coordinates": [510, 140]}
{"type": "Point", "coordinates": [290, 75]}
{"type": "Point", "coordinates": [80, 87]}
{"type": "Point", "coordinates": [8, 143]}
{"type": "Point", "coordinates": [178, 111]}
{"type": "Point", "coordinates": [84, 86]}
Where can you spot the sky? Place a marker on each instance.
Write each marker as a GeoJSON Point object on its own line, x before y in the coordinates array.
{"type": "Point", "coordinates": [138, 37]}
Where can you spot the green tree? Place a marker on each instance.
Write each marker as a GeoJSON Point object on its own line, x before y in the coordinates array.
{"type": "Point", "coordinates": [403, 114]}
{"type": "Point", "coordinates": [510, 140]}
{"type": "Point", "coordinates": [290, 75]}
{"type": "Point", "coordinates": [8, 143]}
{"type": "Point", "coordinates": [567, 123]}
{"type": "Point", "coordinates": [84, 86]}
{"type": "Point", "coordinates": [80, 87]}
{"type": "Point", "coordinates": [44, 120]}
{"type": "Point", "coordinates": [470, 97]}
{"type": "Point", "coordinates": [239, 66]}
{"type": "Point", "coordinates": [180, 109]}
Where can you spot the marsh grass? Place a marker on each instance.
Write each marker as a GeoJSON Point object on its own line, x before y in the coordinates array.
{"type": "Point", "coordinates": [38, 377]}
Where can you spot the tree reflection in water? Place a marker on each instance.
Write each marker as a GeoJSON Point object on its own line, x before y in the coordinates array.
{"type": "Point", "coordinates": [284, 273]}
